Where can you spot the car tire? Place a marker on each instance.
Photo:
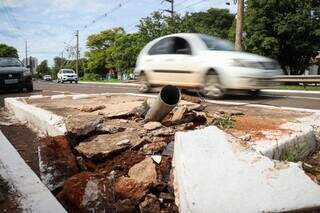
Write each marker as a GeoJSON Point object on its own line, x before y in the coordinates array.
{"type": "Point", "coordinates": [76, 82]}
{"type": "Point", "coordinates": [254, 92]}
{"type": "Point", "coordinates": [144, 84]}
{"type": "Point", "coordinates": [29, 87]}
{"type": "Point", "coordinates": [212, 87]}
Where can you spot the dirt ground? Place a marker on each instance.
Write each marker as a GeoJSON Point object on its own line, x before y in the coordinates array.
{"type": "Point", "coordinates": [256, 121]}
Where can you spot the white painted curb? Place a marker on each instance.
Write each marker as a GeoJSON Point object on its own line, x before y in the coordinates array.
{"type": "Point", "coordinates": [290, 91]}
{"type": "Point", "coordinates": [45, 121]}
{"type": "Point", "coordinates": [34, 196]}
{"type": "Point", "coordinates": [114, 84]}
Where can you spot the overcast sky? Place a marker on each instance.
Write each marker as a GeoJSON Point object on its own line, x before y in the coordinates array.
{"type": "Point", "coordinates": [49, 25]}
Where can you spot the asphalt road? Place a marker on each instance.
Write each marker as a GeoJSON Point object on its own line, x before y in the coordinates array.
{"type": "Point", "coordinates": [273, 98]}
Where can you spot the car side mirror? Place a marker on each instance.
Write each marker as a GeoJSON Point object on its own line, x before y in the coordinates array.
{"type": "Point", "coordinates": [28, 66]}
{"type": "Point", "coordinates": [185, 51]}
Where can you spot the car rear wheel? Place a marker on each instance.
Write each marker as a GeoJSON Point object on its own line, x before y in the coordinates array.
{"type": "Point", "coordinates": [212, 87]}
{"type": "Point", "coordinates": [30, 87]}
{"type": "Point", "coordinates": [144, 85]}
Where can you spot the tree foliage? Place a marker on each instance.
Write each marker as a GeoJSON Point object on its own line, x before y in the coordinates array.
{"type": "Point", "coordinates": [285, 30]}
{"type": "Point", "coordinates": [43, 69]}
{"type": "Point", "coordinates": [8, 51]}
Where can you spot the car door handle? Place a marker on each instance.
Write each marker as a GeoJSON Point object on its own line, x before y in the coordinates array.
{"type": "Point", "coordinates": [148, 60]}
{"type": "Point", "coordinates": [168, 59]}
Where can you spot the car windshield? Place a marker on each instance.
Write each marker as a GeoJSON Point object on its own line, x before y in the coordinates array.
{"type": "Point", "coordinates": [10, 62]}
{"type": "Point", "coordinates": [68, 71]}
{"type": "Point", "coordinates": [213, 43]}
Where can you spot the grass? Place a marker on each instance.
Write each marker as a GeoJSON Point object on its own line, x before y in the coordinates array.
{"type": "Point", "coordinates": [225, 121]}
{"type": "Point", "coordinates": [298, 87]}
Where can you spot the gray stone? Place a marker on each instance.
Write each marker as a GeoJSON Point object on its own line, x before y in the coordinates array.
{"type": "Point", "coordinates": [152, 125]}
{"type": "Point", "coordinates": [151, 204]}
{"type": "Point", "coordinates": [103, 146]}
{"type": "Point", "coordinates": [144, 172]}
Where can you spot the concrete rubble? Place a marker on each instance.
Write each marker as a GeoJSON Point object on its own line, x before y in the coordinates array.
{"type": "Point", "coordinates": [122, 163]}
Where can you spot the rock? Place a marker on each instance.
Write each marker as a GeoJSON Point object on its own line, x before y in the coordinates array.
{"type": "Point", "coordinates": [83, 124]}
{"type": "Point", "coordinates": [168, 151]}
{"type": "Point", "coordinates": [178, 114]}
{"type": "Point", "coordinates": [128, 188]}
{"type": "Point", "coordinates": [186, 126]}
{"type": "Point", "coordinates": [163, 132]}
{"type": "Point", "coordinates": [4, 189]}
{"type": "Point", "coordinates": [103, 146]}
{"type": "Point", "coordinates": [91, 108]}
{"type": "Point", "coordinates": [151, 204]}
{"type": "Point", "coordinates": [103, 128]}
{"type": "Point", "coordinates": [166, 196]}
{"type": "Point", "coordinates": [246, 137]}
{"type": "Point", "coordinates": [56, 161]}
{"type": "Point", "coordinates": [156, 158]}
{"type": "Point", "coordinates": [196, 107]}
{"type": "Point", "coordinates": [88, 191]}
{"type": "Point", "coordinates": [152, 125]}
{"type": "Point", "coordinates": [125, 206]}
{"type": "Point", "coordinates": [144, 172]}
{"type": "Point", "coordinates": [85, 164]}
{"type": "Point", "coordinates": [142, 110]}
{"type": "Point", "coordinates": [140, 143]}
{"type": "Point", "coordinates": [154, 147]}
{"type": "Point", "coordinates": [236, 113]}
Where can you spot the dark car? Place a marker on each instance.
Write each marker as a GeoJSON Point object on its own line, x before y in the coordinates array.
{"type": "Point", "coordinates": [13, 75]}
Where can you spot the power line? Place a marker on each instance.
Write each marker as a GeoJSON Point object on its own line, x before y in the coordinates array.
{"type": "Point", "coordinates": [106, 14]}
{"type": "Point", "coordinates": [191, 5]}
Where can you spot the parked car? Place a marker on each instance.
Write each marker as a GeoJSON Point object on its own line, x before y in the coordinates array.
{"type": "Point", "coordinates": [205, 63]}
{"type": "Point", "coordinates": [67, 75]}
{"type": "Point", "coordinates": [13, 75]}
{"type": "Point", "coordinates": [47, 78]}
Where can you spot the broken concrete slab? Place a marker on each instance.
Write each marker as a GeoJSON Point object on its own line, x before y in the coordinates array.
{"type": "Point", "coordinates": [152, 125]}
{"type": "Point", "coordinates": [83, 124]}
{"type": "Point", "coordinates": [145, 172]}
{"type": "Point", "coordinates": [103, 146]}
{"type": "Point", "coordinates": [206, 181]}
{"type": "Point", "coordinates": [56, 161]}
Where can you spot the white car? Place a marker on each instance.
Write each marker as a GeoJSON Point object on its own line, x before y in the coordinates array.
{"type": "Point", "coordinates": [47, 78]}
{"type": "Point", "coordinates": [67, 75]}
{"type": "Point", "coordinates": [198, 61]}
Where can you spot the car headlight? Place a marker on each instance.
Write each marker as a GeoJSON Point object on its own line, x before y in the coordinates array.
{"type": "Point", "coordinates": [246, 63]}
{"type": "Point", "coordinates": [26, 73]}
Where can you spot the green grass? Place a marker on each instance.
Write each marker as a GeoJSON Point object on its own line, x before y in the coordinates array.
{"type": "Point", "coordinates": [298, 87]}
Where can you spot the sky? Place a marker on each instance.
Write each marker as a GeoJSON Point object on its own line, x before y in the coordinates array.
{"type": "Point", "coordinates": [49, 26]}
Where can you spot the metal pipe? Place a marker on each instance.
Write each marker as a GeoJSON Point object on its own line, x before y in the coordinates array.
{"type": "Point", "coordinates": [168, 98]}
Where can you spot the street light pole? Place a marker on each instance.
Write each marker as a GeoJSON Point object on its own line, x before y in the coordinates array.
{"type": "Point", "coordinates": [172, 7]}
{"type": "Point", "coordinates": [239, 25]}
{"type": "Point", "coordinates": [77, 61]}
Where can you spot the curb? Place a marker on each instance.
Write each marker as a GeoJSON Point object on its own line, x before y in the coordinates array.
{"type": "Point", "coordinates": [34, 196]}
{"type": "Point", "coordinates": [45, 121]}
{"type": "Point", "coordinates": [290, 91]}
{"type": "Point", "coordinates": [107, 83]}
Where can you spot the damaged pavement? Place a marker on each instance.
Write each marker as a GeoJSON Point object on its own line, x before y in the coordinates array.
{"type": "Point", "coordinates": [115, 154]}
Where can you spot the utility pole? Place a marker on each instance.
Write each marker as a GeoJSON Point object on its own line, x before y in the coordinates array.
{"type": "Point", "coordinates": [26, 53]}
{"type": "Point", "coordinates": [172, 7]}
{"type": "Point", "coordinates": [239, 25]}
{"type": "Point", "coordinates": [77, 61]}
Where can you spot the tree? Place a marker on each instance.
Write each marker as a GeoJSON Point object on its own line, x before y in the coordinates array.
{"type": "Point", "coordinates": [43, 69]}
{"type": "Point", "coordinates": [97, 45]}
{"type": "Point", "coordinates": [8, 51]}
{"type": "Point", "coordinates": [286, 31]}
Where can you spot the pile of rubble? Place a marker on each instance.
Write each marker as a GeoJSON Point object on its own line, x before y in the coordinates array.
{"type": "Point", "coordinates": [118, 162]}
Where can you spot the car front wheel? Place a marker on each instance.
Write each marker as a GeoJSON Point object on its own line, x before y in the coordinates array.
{"type": "Point", "coordinates": [212, 87]}
{"type": "Point", "coordinates": [30, 87]}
